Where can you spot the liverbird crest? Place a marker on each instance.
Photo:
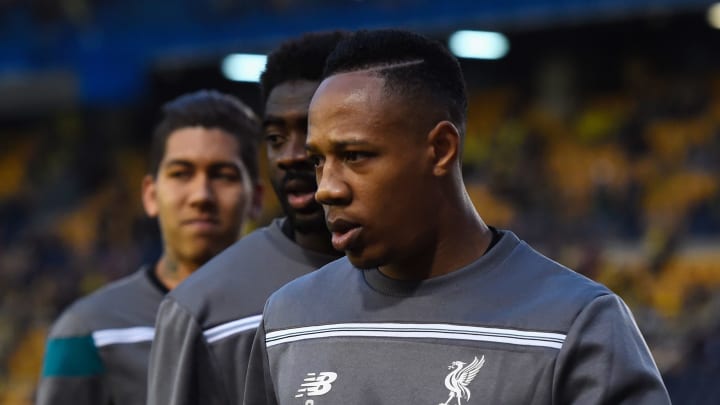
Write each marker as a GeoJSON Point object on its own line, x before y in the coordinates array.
{"type": "Point", "coordinates": [460, 377]}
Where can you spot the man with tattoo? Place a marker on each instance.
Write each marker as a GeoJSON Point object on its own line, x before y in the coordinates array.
{"type": "Point", "coordinates": [201, 186]}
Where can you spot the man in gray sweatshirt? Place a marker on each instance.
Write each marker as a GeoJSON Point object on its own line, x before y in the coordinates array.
{"type": "Point", "coordinates": [202, 185]}
{"type": "Point", "coordinates": [430, 305]}
{"type": "Point", "coordinates": [206, 326]}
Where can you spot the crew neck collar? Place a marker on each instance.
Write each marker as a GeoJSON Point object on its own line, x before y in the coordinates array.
{"type": "Point", "coordinates": [506, 243]}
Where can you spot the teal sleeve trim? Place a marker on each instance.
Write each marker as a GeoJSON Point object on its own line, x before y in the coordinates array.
{"type": "Point", "coordinates": [72, 357]}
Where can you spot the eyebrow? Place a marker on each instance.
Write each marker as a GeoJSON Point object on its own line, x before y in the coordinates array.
{"type": "Point", "coordinates": [271, 120]}
{"type": "Point", "coordinates": [183, 162]}
{"type": "Point", "coordinates": [179, 162]}
{"type": "Point", "coordinates": [339, 145]}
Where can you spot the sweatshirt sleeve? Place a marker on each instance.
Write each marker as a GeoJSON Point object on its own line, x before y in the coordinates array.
{"type": "Point", "coordinates": [182, 370]}
{"type": "Point", "coordinates": [259, 388]}
{"type": "Point", "coordinates": [73, 371]}
{"type": "Point", "coordinates": [605, 360]}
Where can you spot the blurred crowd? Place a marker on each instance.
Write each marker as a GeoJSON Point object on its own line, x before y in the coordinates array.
{"type": "Point", "coordinates": [70, 221]}
{"type": "Point", "coordinates": [618, 182]}
{"type": "Point", "coordinates": [621, 183]}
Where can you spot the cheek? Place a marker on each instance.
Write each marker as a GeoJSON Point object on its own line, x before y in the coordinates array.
{"type": "Point", "coordinates": [273, 155]}
{"type": "Point", "coordinates": [385, 196]}
{"type": "Point", "coordinates": [234, 201]}
{"type": "Point", "coordinates": [168, 216]}
{"type": "Point", "coordinates": [398, 200]}
{"type": "Point", "coordinates": [168, 199]}
{"type": "Point", "coordinates": [275, 174]}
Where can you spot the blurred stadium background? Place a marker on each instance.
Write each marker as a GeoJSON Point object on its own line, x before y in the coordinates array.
{"type": "Point", "coordinates": [596, 137]}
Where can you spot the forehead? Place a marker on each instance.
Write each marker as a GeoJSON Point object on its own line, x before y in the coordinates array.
{"type": "Point", "coordinates": [201, 144]}
{"type": "Point", "coordinates": [347, 95]}
{"type": "Point", "coordinates": [350, 104]}
{"type": "Point", "coordinates": [349, 90]}
{"type": "Point", "coordinates": [290, 99]}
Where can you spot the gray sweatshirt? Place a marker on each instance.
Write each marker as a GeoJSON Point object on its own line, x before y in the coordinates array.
{"type": "Point", "coordinates": [205, 326]}
{"type": "Point", "coordinates": [512, 328]}
{"type": "Point", "coordinates": [97, 352]}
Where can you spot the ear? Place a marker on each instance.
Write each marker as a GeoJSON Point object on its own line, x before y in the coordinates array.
{"type": "Point", "coordinates": [254, 210]}
{"type": "Point", "coordinates": [444, 141]}
{"type": "Point", "coordinates": [149, 196]}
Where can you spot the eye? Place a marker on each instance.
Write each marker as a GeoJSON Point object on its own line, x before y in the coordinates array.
{"type": "Point", "coordinates": [352, 156]}
{"type": "Point", "coordinates": [179, 174]}
{"type": "Point", "coordinates": [225, 172]}
{"type": "Point", "coordinates": [274, 139]}
{"type": "Point", "coordinates": [228, 175]}
{"type": "Point", "coordinates": [316, 160]}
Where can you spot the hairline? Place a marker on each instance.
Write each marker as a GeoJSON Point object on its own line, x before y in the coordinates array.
{"type": "Point", "coordinates": [377, 70]}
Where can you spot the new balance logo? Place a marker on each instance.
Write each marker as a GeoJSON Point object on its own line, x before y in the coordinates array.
{"type": "Point", "coordinates": [316, 384]}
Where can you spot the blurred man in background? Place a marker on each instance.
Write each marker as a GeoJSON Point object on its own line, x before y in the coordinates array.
{"type": "Point", "coordinates": [202, 185]}
{"type": "Point", "coordinates": [431, 305]}
{"type": "Point", "coordinates": [206, 326]}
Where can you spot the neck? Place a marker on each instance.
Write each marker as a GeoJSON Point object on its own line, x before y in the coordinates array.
{"type": "Point", "coordinates": [171, 272]}
{"type": "Point", "coordinates": [459, 238]}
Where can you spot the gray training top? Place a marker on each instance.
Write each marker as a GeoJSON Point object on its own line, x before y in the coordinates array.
{"type": "Point", "coordinates": [205, 326]}
{"type": "Point", "coordinates": [97, 352]}
{"type": "Point", "coordinates": [512, 328]}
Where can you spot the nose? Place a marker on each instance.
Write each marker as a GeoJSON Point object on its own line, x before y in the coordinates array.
{"type": "Point", "coordinates": [332, 188]}
{"type": "Point", "coordinates": [202, 194]}
{"type": "Point", "coordinates": [293, 155]}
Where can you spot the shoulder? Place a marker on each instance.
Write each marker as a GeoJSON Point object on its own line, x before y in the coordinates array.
{"type": "Point", "coordinates": [92, 311]}
{"type": "Point", "coordinates": [237, 282]}
{"type": "Point", "coordinates": [540, 285]}
{"type": "Point", "coordinates": [222, 269]}
{"type": "Point", "coordinates": [522, 266]}
{"type": "Point", "coordinates": [551, 276]}
{"type": "Point", "coordinates": [539, 292]}
{"type": "Point", "coordinates": [256, 243]}
{"type": "Point", "coordinates": [319, 285]}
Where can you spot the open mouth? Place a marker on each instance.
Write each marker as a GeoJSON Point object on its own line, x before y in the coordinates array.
{"type": "Point", "coordinates": [300, 200]}
{"type": "Point", "coordinates": [343, 234]}
{"type": "Point", "coordinates": [300, 193]}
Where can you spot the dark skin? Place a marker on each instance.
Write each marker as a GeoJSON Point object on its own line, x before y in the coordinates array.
{"type": "Point", "coordinates": [391, 185]}
{"type": "Point", "coordinates": [291, 172]}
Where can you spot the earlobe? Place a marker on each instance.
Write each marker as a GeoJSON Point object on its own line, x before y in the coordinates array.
{"type": "Point", "coordinates": [444, 139]}
{"type": "Point", "coordinates": [149, 196]}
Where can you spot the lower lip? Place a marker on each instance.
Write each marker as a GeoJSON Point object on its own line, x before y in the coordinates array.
{"type": "Point", "coordinates": [299, 201]}
{"type": "Point", "coordinates": [343, 241]}
{"type": "Point", "coordinates": [202, 225]}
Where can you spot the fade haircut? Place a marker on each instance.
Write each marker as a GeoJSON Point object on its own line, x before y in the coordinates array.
{"type": "Point", "coordinates": [412, 66]}
{"type": "Point", "coordinates": [209, 109]}
{"type": "Point", "coordinates": [299, 59]}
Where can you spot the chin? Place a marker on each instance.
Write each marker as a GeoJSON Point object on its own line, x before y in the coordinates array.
{"type": "Point", "coordinates": [363, 262]}
{"type": "Point", "coordinates": [309, 223]}
{"type": "Point", "coordinates": [201, 259]}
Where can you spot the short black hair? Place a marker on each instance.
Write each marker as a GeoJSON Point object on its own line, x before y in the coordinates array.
{"type": "Point", "coordinates": [413, 67]}
{"type": "Point", "coordinates": [302, 58]}
{"type": "Point", "coordinates": [209, 109]}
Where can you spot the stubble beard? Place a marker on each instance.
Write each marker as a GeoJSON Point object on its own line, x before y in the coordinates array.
{"type": "Point", "coordinates": [307, 223]}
